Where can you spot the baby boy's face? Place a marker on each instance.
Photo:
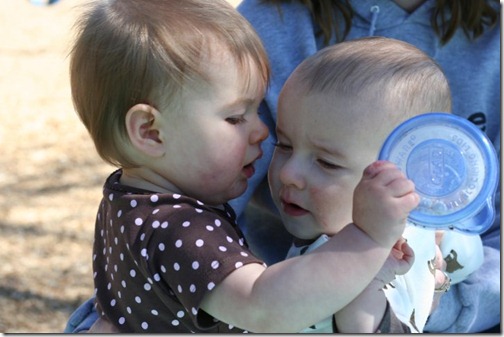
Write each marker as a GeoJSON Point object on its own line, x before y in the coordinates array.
{"type": "Point", "coordinates": [321, 153]}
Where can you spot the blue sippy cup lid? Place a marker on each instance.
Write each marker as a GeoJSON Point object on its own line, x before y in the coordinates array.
{"type": "Point", "coordinates": [454, 168]}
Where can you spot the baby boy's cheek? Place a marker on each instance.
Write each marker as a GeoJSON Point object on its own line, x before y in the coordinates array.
{"type": "Point", "coordinates": [322, 202]}
{"type": "Point", "coordinates": [274, 177]}
{"type": "Point", "coordinates": [333, 207]}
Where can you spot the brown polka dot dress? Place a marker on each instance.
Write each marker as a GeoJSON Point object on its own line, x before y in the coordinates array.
{"type": "Point", "coordinates": [155, 256]}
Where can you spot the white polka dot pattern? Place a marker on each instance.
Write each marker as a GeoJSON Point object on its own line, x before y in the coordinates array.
{"type": "Point", "coordinates": [158, 255]}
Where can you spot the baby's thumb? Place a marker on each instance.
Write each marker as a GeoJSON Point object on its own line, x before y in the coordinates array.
{"type": "Point", "coordinates": [376, 167]}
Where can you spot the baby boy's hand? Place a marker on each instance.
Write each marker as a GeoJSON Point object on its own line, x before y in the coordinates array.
{"type": "Point", "coordinates": [382, 201]}
{"type": "Point", "coordinates": [400, 260]}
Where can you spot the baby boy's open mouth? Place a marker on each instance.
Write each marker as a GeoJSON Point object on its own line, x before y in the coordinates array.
{"type": "Point", "coordinates": [293, 209]}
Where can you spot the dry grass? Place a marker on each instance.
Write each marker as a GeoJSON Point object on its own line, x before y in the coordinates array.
{"type": "Point", "coordinates": [50, 176]}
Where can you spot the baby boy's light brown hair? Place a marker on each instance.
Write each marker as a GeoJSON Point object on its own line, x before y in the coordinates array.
{"type": "Point", "coordinates": [397, 77]}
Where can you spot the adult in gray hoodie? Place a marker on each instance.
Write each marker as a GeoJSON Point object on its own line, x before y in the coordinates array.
{"type": "Point", "coordinates": [468, 50]}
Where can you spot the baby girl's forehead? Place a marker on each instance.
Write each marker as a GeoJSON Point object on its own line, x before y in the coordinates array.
{"type": "Point", "coordinates": [216, 54]}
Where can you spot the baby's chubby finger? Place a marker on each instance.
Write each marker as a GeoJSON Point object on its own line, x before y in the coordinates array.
{"type": "Point", "coordinates": [387, 175]}
{"type": "Point", "coordinates": [397, 250]}
{"type": "Point", "coordinates": [399, 184]}
{"type": "Point", "coordinates": [376, 167]}
{"type": "Point", "coordinates": [408, 253]}
{"type": "Point", "coordinates": [379, 210]}
{"type": "Point", "coordinates": [404, 191]}
{"type": "Point", "coordinates": [439, 264]}
{"type": "Point", "coordinates": [403, 251]}
{"type": "Point", "coordinates": [439, 236]}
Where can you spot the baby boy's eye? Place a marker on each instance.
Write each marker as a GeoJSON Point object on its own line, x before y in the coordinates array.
{"type": "Point", "coordinates": [283, 147]}
{"type": "Point", "coordinates": [327, 165]}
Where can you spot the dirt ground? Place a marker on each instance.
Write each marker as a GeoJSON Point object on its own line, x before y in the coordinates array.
{"type": "Point", "coordinates": [50, 175]}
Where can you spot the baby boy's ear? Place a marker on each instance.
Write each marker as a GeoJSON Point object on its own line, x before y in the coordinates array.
{"type": "Point", "coordinates": [143, 131]}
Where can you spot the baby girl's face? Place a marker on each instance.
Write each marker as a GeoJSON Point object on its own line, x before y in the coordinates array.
{"type": "Point", "coordinates": [216, 134]}
{"type": "Point", "coordinates": [321, 153]}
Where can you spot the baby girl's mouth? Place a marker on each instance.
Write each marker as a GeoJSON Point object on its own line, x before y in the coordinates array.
{"type": "Point", "coordinates": [249, 170]}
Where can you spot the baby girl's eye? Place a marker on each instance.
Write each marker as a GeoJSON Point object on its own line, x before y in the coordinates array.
{"type": "Point", "coordinates": [236, 120]}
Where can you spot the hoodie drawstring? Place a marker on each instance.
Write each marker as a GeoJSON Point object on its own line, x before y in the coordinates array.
{"type": "Point", "coordinates": [374, 16]}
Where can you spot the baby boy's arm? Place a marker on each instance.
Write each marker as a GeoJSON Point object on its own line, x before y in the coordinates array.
{"type": "Point", "coordinates": [369, 312]}
{"type": "Point", "coordinates": [275, 299]}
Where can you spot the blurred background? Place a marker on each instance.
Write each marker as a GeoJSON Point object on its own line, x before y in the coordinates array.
{"type": "Point", "coordinates": [50, 175]}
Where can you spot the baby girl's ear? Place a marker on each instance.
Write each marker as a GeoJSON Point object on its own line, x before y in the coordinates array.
{"type": "Point", "coordinates": [143, 131]}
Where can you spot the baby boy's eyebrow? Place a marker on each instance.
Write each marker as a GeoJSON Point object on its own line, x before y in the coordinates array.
{"type": "Point", "coordinates": [320, 145]}
{"type": "Point", "coordinates": [327, 147]}
{"type": "Point", "coordinates": [279, 131]}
